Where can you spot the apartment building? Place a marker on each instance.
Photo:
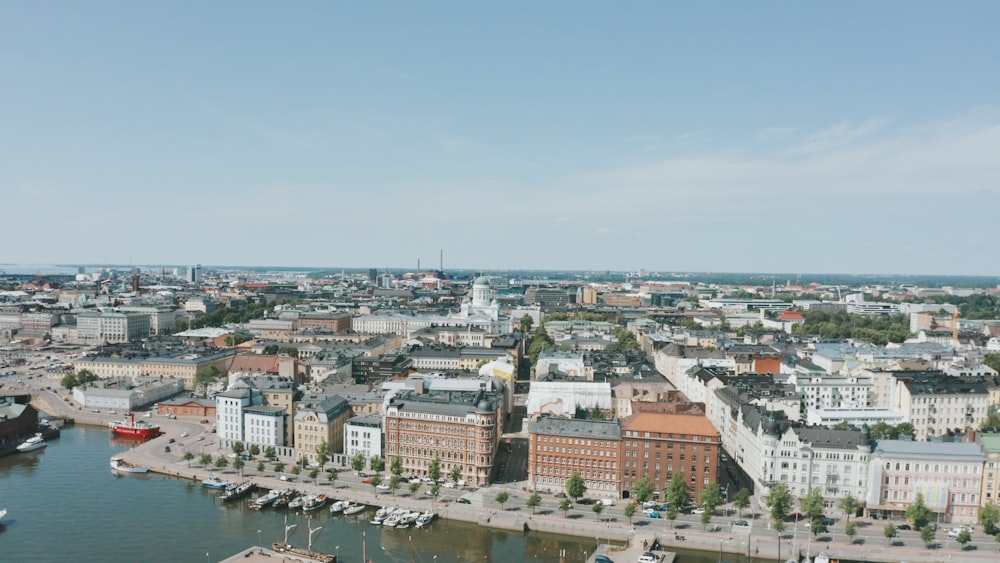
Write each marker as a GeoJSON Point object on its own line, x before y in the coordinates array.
{"type": "Point", "coordinates": [558, 447]}
{"type": "Point", "coordinates": [657, 445]}
{"type": "Point", "coordinates": [939, 405]}
{"type": "Point", "coordinates": [948, 474]}
{"type": "Point", "coordinates": [363, 435]}
{"type": "Point", "coordinates": [991, 468]}
{"type": "Point", "coordinates": [318, 420]}
{"type": "Point", "coordinates": [460, 428]}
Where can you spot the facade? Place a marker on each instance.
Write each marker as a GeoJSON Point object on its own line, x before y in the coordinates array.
{"type": "Point", "coordinates": [564, 362]}
{"type": "Point", "coordinates": [829, 392]}
{"type": "Point", "coordinates": [109, 327]}
{"type": "Point", "coordinates": [125, 394]}
{"type": "Point", "coordinates": [363, 435]}
{"type": "Point", "coordinates": [558, 447]}
{"type": "Point", "coordinates": [460, 428]}
{"type": "Point", "coordinates": [938, 405]}
{"type": "Point", "coordinates": [17, 422]}
{"type": "Point", "coordinates": [264, 425]}
{"type": "Point", "coordinates": [657, 445]}
{"type": "Point", "coordinates": [834, 461]}
{"type": "Point", "coordinates": [183, 366]}
{"type": "Point", "coordinates": [334, 322]}
{"type": "Point", "coordinates": [563, 398]}
{"type": "Point", "coordinates": [948, 474]}
{"type": "Point", "coordinates": [202, 408]}
{"type": "Point", "coordinates": [991, 468]}
{"type": "Point", "coordinates": [319, 420]}
{"type": "Point", "coordinates": [229, 406]}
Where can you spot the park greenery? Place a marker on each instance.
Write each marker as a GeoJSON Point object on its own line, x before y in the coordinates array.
{"type": "Point", "coordinates": [234, 315]}
{"type": "Point", "coordinates": [879, 330]}
{"type": "Point", "coordinates": [82, 377]}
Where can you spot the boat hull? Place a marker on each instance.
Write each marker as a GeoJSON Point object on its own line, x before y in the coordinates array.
{"type": "Point", "coordinates": [123, 466]}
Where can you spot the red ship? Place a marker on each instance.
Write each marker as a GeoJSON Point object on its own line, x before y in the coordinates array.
{"type": "Point", "coordinates": [133, 429]}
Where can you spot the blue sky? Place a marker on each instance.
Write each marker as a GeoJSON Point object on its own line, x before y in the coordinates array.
{"type": "Point", "coordinates": [851, 137]}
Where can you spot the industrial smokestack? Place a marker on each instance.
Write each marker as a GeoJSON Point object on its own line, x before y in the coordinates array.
{"type": "Point", "coordinates": [441, 265]}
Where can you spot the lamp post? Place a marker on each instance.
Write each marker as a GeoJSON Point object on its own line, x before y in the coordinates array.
{"type": "Point", "coordinates": [259, 544]}
{"type": "Point", "coordinates": [338, 553]}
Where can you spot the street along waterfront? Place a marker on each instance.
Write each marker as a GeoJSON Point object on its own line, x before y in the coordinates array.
{"type": "Point", "coordinates": [66, 504]}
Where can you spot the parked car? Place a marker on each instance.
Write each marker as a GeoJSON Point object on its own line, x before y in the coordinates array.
{"type": "Point", "coordinates": [698, 510]}
{"type": "Point", "coordinates": [184, 434]}
{"type": "Point", "coordinates": [955, 532]}
{"type": "Point", "coordinates": [560, 495]}
{"type": "Point", "coordinates": [382, 487]}
{"type": "Point", "coordinates": [204, 421]}
{"type": "Point", "coordinates": [367, 480]}
{"type": "Point", "coordinates": [607, 501]}
{"type": "Point", "coordinates": [741, 523]}
{"type": "Point", "coordinates": [449, 485]}
{"type": "Point", "coordinates": [654, 515]}
{"type": "Point", "coordinates": [649, 557]}
{"type": "Point", "coordinates": [463, 500]}
{"type": "Point", "coordinates": [603, 559]}
{"type": "Point", "coordinates": [906, 527]}
{"type": "Point", "coordinates": [827, 521]}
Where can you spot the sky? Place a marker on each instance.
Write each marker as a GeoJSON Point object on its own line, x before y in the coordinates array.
{"type": "Point", "coordinates": [811, 137]}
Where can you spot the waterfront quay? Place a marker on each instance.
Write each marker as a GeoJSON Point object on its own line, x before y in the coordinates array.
{"type": "Point", "coordinates": [612, 534]}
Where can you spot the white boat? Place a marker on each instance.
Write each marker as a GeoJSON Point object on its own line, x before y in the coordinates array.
{"type": "Point", "coordinates": [3, 512]}
{"type": "Point", "coordinates": [821, 558]}
{"type": "Point", "coordinates": [31, 444]}
{"type": "Point", "coordinates": [338, 506]}
{"type": "Point", "coordinates": [425, 519]}
{"type": "Point", "coordinates": [314, 502]}
{"type": "Point", "coordinates": [122, 466]}
{"type": "Point", "coordinates": [213, 482]}
{"type": "Point", "coordinates": [296, 502]}
{"type": "Point", "coordinates": [408, 519]}
{"type": "Point", "coordinates": [381, 514]}
{"type": "Point", "coordinates": [353, 509]}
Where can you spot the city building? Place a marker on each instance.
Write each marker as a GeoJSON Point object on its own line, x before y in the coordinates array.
{"type": "Point", "coordinates": [658, 445]}
{"type": "Point", "coordinates": [558, 447]}
{"type": "Point", "coordinates": [948, 475]}
{"type": "Point", "coordinates": [460, 428]}
{"type": "Point", "coordinates": [938, 405]}
{"type": "Point", "coordinates": [318, 420]}
{"type": "Point", "coordinates": [363, 435]}
{"type": "Point", "coordinates": [991, 470]}
{"type": "Point", "coordinates": [110, 327]}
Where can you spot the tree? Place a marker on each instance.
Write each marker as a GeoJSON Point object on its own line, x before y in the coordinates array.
{"type": "Point", "coordinates": [396, 467]}
{"type": "Point", "coordinates": [850, 506]}
{"type": "Point", "coordinates": [527, 321]}
{"type": "Point", "coordinates": [780, 502]}
{"type": "Point", "coordinates": [643, 489]}
{"type": "Point", "coordinates": [964, 537]}
{"type": "Point", "coordinates": [254, 450]}
{"type": "Point", "coordinates": [905, 429]}
{"type": "Point", "coordinates": [314, 473]}
{"type": "Point", "coordinates": [270, 453]}
{"type": "Point", "coordinates": [435, 491]}
{"type": "Point", "coordinates": [779, 527]}
{"type": "Point", "coordinates": [332, 476]}
{"type": "Point", "coordinates": [598, 508]}
{"type": "Point", "coordinates": [279, 467]}
{"type": "Point", "coordinates": [890, 532]}
{"type": "Point", "coordinates": [235, 339]}
{"type": "Point", "coordinates": [502, 497]}
{"type": "Point", "coordinates": [672, 513]}
{"type": "Point", "coordinates": [711, 497]}
{"type": "Point", "coordinates": [927, 535]}
{"type": "Point", "coordinates": [296, 470]}
{"type": "Point", "coordinates": [205, 459]}
{"type": "Point", "coordinates": [630, 512]}
{"type": "Point", "coordinates": [358, 462]}
{"type": "Point", "coordinates": [677, 491]}
{"type": "Point", "coordinates": [992, 360]}
{"type": "Point", "coordinates": [533, 501]}
{"type": "Point", "coordinates": [238, 447]}
{"type": "Point", "coordinates": [812, 504]}
{"type": "Point", "coordinates": [69, 381]}
{"type": "Point", "coordinates": [742, 500]}
{"type": "Point", "coordinates": [575, 486]}
{"type": "Point", "coordinates": [706, 517]}
{"type": "Point", "coordinates": [456, 474]}
{"type": "Point", "coordinates": [221, 462]}
{"type": "Point", "coordinates": [205, 376]}
{"type": "Point", "coordinates": [188, 456]}
{"type": "Point", "coordinates": [394, 483]}
{"type": "Point", "coordinates": [816, 526]}
{"type": "Point", "coordinates": [434, 471]}
{"type": "Point", "coordinates": [376, 480]}
{"type": "Point", "coordinates": [238, 465]}
{"type": "Point", "coordinates": [851, 530]}
{"type": "Point", "coordinates": [180, 325]}
{"type": "Point", "coordinates": [989, 516]}
{"type": "Point", "coordinates": [918, 514]}
{"type": "Point", "coordinates": [565, 506]}
{"type": "Point", "coordinates": [322, 454]}
{"type": "Point", "coordinates": [414, 487]}
{"type": "Point", "coordinates": [377, 464]}
{"type": "Point", "coordinates": [260, 467]}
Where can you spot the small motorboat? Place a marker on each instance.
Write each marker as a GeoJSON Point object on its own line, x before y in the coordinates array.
{"type": "Point", "coordinates": [31, 444]}
{"type": "Point", "coordinates": [214, 482]}
{"type": "Point", "coordinates": [314, 502]}
{"type": "Point", "coordinates": [337, 507]}
{"type": "Point", "coordinates": [122, 466]}
{"type": "Point", "coordinates": [353, 509]}
{"type": "Point", "coordinates": [296, 502]}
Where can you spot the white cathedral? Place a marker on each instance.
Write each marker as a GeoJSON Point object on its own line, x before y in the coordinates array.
{"type": "Point", "coordinates": [482, 310]}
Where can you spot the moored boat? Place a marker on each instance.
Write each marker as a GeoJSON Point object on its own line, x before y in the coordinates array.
{"type": "Point", "coordinates": [425, 519]}
{"type": "Point", "coordinates": [122, 466]}
{"type": "Point", "coordinates": [284, 499]}
{"type": "Point", "coordinates": [266, 500]}
{"type": "Point", "coordinates": [31, 444]}
{"type": "Point", "coordinates": [314, 502]}
{"type": "Point", "coordinates": [353, 509]}
{"type": "Point", "coordinates": [214, 482]}
{"type": "Point", "coordinates": [133, 429]}
{"type": "Point", "coordinates": [337, 507]}
{"type": "Point", "coordinates": [238, 491]}
{"type": "Point", "coordinates": [296, 502]}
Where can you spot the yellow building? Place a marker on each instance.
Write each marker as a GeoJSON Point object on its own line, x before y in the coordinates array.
{"type": "Point", "coordinates": [318, 420]}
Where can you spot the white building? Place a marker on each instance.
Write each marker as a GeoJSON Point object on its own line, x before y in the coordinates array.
{"type": "Point", "coordinates": [229, 407]}
{"type": "Point", "coordinates": [363, 434]}
{"type": "Point", "coordinates": [564, 362]}
{"type": "Point", "coordinates": [856, 417]}
{"type": "Point", "coordinates": [264, 425]}
{"type": "Point", "coordinates": [562, 398]}
{"type": "Point", "coordinates": [121, 394]}
{"type": "Point", "coordinates": [830, 392]}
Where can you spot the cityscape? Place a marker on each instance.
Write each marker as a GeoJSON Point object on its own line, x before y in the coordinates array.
{"type": "Point", "coordinates": [833, 415]}
{"type": "Point", "coordinates": [441, 282]}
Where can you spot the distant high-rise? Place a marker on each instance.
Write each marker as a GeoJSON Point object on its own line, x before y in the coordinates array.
{"type": "Point", "coordinates": [194, 274]}
{"type": "Point", "coordinates": [372, 275]}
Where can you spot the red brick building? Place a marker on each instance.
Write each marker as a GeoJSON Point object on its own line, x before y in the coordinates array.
{"type": "Point", "coordinates": [657, 445]}
{"type": "Point", "coordinates": [558, 447]}
{"type": "Point", "coordinates": [202, 408]}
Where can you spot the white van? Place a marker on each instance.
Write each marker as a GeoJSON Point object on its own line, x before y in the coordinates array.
{"type": "Point", "coordinates": [607, 501]}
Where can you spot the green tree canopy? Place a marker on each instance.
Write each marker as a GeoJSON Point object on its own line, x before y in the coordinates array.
{"type": "Point", "coordinates": [533, 501]}
{"type": "Point", "coordinates": [434, 471]}
{"type": "Point", "coordinates": [575, 486]}
{"type": "Point", "coordinates": [630, 512]}
{"type": "Point", "coordinates": [643, 489]}
{"type": "Point", "coordinates": [711, 497]}
{"type": "Point", "coordinates": [394, 483]}
{"type": "Point", "coordinates": [205, 376]}
{"type": "Point", "coordinates": [879, 330]}
{"type": "Point", "coordinates": [414, 487]}
{"type": "Point", "coordinates": [322, 454]}
{"type": "Point", "coordinates": [927, 535]}
{"type": "Point", "coordinates": [964, 537]}
{"type": "Point", "coordinates": [812, 504]}
{"type": "Point", "coordinates": [850, 506]}
{"type": "Point", "coordinates": [918, 514]}
{"type": "Point", "coordinates": [598, 508]}
{"type": "Point", "coordinates": [502, 498]}
{"type": "Point", "coordinates": [397, 465]}
{"type": "Point", "coordinates": [851, 530]}
{"type": "Point", "coordinates": [989, 517]}
{"type": "Point", "coordinates": [238, 447]}
{"type": "Point", "coordinates": [565, 506]}
{"type": "Point", "coordinates": [780, 502]}
{"type": "Point", "coordinates": [526, 322]}
{"type": "Point", "coordinates": [377, 463]}
{"type": "Point", "coordinates": [456, 474]}
{"type": "Point", "coordinates": [742, 500]}
{"type": "Point", "coordinates": [890, 532]}
{"type": "Point", "coordinates": [678, 493]}
{"type": "Point", "coordinates": [358, 462]}
{"type": "Point", "coordinates": [205, 459]}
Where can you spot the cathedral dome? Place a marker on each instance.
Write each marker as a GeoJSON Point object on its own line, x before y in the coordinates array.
{"type": "Point", "coordinates": [481, 281]}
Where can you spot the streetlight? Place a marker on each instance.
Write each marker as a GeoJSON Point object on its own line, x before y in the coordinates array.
{"type": "Point", "coordinates": [259, 544]}
{"type": "Point", "coordinates": [338, 552]}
